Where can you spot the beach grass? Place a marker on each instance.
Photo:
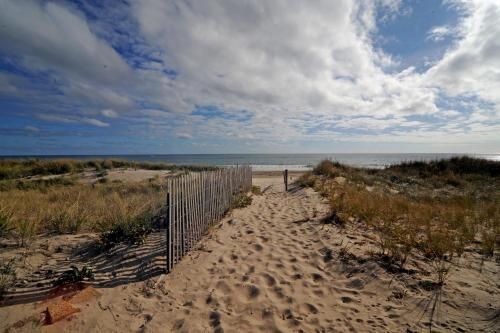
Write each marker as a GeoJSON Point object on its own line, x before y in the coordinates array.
{"type": "Point", "coordinates": [437, 209]}
{"type": "Point", "coordinates": [22, 168]}
{"type": "Point", "coordinates": [81, 207]}
{"type": "Point", "coordinates": [47, 196]}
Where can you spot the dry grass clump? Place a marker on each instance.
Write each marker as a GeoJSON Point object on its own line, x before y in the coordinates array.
{"type": "Point", "coordinates": [330, 168]}
{"type": "Point", "coordinates": [256, 190]}
{"type": "Point", "coordinates": [241, 200]}
{"type": "Point", "coordinates": [439, 227]}
{"type": "Point", "coordinates": [25, 213]}
{"type": "Point", "coordinates": [306, 180]}
{"type": "Point", "coordinates": [5, 227]}
{"type": "Point", "coordinates": [35, 184]}
{"type": "Point", "coordinates": [7, 276]}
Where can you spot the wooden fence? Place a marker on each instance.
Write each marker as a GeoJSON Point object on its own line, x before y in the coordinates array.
{"type": "Point", "coordinates": [196, 201]}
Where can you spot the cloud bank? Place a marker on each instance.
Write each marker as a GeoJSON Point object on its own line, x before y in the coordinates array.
{"type": "Point", "coordinates": [270, 75]}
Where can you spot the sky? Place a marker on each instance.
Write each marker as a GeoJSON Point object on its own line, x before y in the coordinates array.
{"type": "Point", "coordinates": [249, 76]}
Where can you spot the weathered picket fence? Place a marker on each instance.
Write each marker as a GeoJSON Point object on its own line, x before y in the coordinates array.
{"type": "Point", "coordinates": [196, 201]}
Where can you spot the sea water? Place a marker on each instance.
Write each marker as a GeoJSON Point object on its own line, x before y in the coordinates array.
{"type": "Point", "coordinates": [270, 162]}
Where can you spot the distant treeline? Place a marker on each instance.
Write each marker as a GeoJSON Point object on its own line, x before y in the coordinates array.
{"type": "Point", "coordinates": [13, 169]}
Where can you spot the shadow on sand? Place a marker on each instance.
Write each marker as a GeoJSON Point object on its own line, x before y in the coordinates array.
{"type": "Point", "coordinates": [120, 265]}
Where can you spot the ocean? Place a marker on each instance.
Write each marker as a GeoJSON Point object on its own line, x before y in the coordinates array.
{"type": "Point", "coordinates": [271, 162]}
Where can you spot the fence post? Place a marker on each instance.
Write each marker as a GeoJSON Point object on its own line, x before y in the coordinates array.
{"type": "Point", "coordinates": [285, 178]}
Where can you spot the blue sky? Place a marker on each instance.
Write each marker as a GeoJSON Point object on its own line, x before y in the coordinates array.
{"type": "Point", "coordinates": [149, 76]}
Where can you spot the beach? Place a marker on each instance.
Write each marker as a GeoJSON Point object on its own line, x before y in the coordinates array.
{"type": "Point", "coordinates": [272, 267]}
{"type": "Point", "coordinates": [250, 166]}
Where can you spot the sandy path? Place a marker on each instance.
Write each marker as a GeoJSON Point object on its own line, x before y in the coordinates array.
{"type": "Point", "coordinates": [266, 269]}
{"type": "Point", "coordinates": [257, 271]}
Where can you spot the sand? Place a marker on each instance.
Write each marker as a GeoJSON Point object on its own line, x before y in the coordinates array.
{"type": "Point", "coordinates": [273, 267]}
{"type": "Point", "coordinates": [127, 175]}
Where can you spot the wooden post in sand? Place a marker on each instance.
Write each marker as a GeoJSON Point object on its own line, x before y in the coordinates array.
{"type": "Point", "coordinates": [285, 178]}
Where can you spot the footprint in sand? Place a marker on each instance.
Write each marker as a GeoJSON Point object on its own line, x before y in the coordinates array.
{"type": "Point", "coordinates": [214, 318]}
{"type": "Point", "coordinates": [258, 247]}
{"type": "Point", "coordinates": [346, 299]}
{"type": "Point", "coordinates": [223, 286]}
{"type": "Point", "coordinates": [252, 291]}
{"type": "Point", "coordinates": [317, 277]}
{"type": "Point", "coordinates": [356, 284]}
{"type": "Point", "coordinates": [309, 308]}
{"type": "Point", "coordinates": [178, 324]}
{"type": "Point", "coordinates": [318, 292]}
{"type": "Point", "coordinates": [270, 280]}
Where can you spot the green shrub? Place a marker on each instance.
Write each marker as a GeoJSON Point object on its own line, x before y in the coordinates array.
{"type": "Point", "coordinates": [70, 220]}
{"type": "Point", "coordinates": [130, 231]}
{"type": "Point", "coordinates": [241, 201]}
{"type": "Point", "coordinates": [74, 275]}
{"type": "Point", "coordinates": [256, 190]}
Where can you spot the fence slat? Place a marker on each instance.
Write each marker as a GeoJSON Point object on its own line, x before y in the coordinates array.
{"type": "Point", "coordinates": [169, 226]}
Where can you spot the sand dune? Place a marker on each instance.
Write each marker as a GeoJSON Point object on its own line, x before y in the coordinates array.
{"type": "Point", "coordinates": [272, 267]}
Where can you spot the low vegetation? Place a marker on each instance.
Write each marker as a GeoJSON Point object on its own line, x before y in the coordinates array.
{"type": "Point", "coordinates": [256, 190]}
{"type": "Point", "coordinates": [16, 169]}
{"type": "Point", "coordinates": [35, 184]}
{"type": "Point", "coordinates": [131, 231]}
{"type": "Point", "coordinates": [306, 180]}
{"type": "Point", "coordinates": [82, 207]}
{"type": "Point", "coordinates": [75, 275]}
{"type": "Point", "coordinates": [7, 276]}
{"type": "Point", "coordinates": [436, 209]}
{"type": "Point", "coordinates": [47, 196]}
{"type": "Point", "coordinates": [242, 200]}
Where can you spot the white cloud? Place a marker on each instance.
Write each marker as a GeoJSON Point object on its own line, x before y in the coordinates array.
{"type": "Point", "coordinates": [184, 136]}
{"type": "Point", "coordinates": [439, 33]}
{"type": "Point", "coordinates": [109, 113]}
{"type": "Point", "coordinates": [55, 118]}
{"type": "Point", "coordinates": [472, 67]}
{"type": "Point", "coordinates": [95, 122]}
{"type": "Point", "coordinates": [71, 119]}
{"type": "Point", "coordinates": [31, 129]}
{"type": "Point", "coordinates": [286, 57]}
{"type": "Point", "coordinates": [50, 36]}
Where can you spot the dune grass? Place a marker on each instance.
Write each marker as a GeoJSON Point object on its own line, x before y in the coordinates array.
{"type": "Point", "coordinates": [44, 196]}
{"type": "Point", "coordinates": [15, 169]}
{"type": "Point", "coordinates": [81, 207]}
{"type": "Point", "coordinates": [405, 206]}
